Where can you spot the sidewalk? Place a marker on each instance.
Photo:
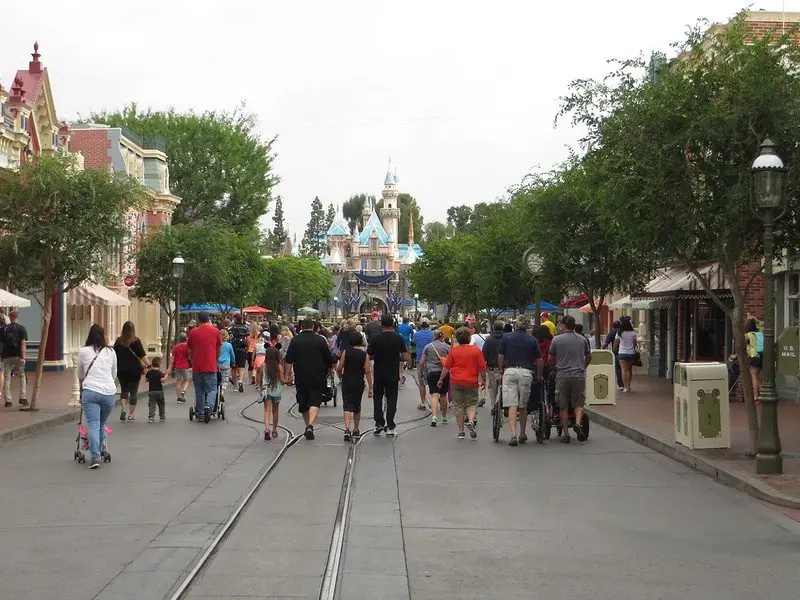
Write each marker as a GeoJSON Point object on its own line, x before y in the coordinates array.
{"type": "Point", "coordinates": [646, 416]}
{"type": "Point", "coordinates": [54, 395]}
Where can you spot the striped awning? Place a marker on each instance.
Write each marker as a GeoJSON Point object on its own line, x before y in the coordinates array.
{"type": "Point", "coordinates": [9, 300]}
{"type": "Point", "coordinates": [92, 294]}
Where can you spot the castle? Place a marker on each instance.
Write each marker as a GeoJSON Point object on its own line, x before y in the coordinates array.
{"type": "Point", "coordinates": [368, 265]}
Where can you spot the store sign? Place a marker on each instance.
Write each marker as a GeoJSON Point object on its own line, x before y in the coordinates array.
{"type": "Point", "coordinates": [789, 352]}
{"type": "Point", "coordinates": [129, 281]}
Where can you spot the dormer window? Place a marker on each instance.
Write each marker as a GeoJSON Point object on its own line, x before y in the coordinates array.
{"type": "Point", "coordinates": [373, 244]}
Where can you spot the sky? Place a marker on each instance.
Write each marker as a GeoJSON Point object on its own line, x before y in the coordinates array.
{"type": "Point", "coordinates": [461, 94]}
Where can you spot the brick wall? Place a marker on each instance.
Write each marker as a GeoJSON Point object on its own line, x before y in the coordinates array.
{"type": "Point", "coordinates": [754, 300]}
{"type": "Point", "coordinates": [94, 144]}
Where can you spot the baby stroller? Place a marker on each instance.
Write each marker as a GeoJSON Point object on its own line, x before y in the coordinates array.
{"type": "Point", "coordinates": [555, 417]}
{"type": "Point", "coordinates": [82, 442]}
{"type": "Point", "coordinates": [218, 411]}
{"type": "Point", "coordinates": [331, 392]}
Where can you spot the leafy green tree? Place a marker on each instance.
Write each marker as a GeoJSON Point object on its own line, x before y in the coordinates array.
{"type": "Point", "coordinates": [430, 275]}
{"type": "Point", "coordinates": [218, 163]}
{"type": "Point", "coordinates": [291, 282]}
{"type": "Point", "coordinates": [353, 208]}
{"type": "Point", "coordinates": [59, 227]}
{"type": "Point", "coordinates": [458, 217]}
{"type": "Point", "coordinates": [278, 234]}
{"type": "Point", "coordinates": [408, 210]}
{"type": "Point", "coordinates": [435, 231]}
{"type": "Point", "coordinates": [313, 244]}
{"type": "Point", "coordinates": [330, 215]}
{"type": "Point", "coordinates": [678, 150]}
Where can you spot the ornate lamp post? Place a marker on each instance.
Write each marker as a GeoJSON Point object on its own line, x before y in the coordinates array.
{"type": "Point", "coordinates": [416, 307]}
{"type": "Point", "coordinates": [533, 262]}
{"type": "Point", "coordinates": [335, 307]}
{"type": "Point", "coordinates": [767, 175]}
{"type": "Point", "coordinates": [178, 271]}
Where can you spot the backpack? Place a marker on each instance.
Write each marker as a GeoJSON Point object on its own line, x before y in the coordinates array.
{"type": "Point", "coordinates": [239, 335]}
{"type": "Point", "coordinates": [759, 337]}
{"type": "Point", "coordinates": [10, 337]}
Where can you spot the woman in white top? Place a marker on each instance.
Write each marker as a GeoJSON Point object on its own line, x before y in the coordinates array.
{"type": "Point", "coordinates": [97, 370]}
{"type": "Point", "coordinates": [625, 348]}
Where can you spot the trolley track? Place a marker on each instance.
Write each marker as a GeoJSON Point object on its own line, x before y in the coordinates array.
{"type": "Point", "coordinates": [331, 574]}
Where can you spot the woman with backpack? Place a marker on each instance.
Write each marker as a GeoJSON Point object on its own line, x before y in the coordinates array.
{"type": "Point", "coordinates": [131, 363]}
{"type": "Point", "coordinates": [755, 353]}
{"type": "Point", "coordinates": [432, 364]}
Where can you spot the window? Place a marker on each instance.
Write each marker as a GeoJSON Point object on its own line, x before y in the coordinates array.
{"type": "Point", "coordinates": [363, 264]}
{"type": "Point", "coordinates": [373, 244]}
{"type": "Point", "coordinates": [794, 284]}
{"type": "Point", "coordinates": [383, 264]}
{"type": "Point", "coordinates": [793, 314]}
{"type": "Point", "coordinates": [373, 264]}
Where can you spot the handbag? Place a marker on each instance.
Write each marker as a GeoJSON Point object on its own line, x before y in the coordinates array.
{"type": "Point", "coordinates": [637, 361]}
{"type": "Point", "coordinates": [441, 360]}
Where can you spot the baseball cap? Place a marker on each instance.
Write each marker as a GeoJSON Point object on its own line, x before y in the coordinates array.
{"type": "Point", "coordinates": [203, 316]}
{"type": "Point", "coordinates": [375, 314]}
{"type": "Point", "coordinates": [424, 322]}
{"type": "Point", "coordinates": [545, 315]}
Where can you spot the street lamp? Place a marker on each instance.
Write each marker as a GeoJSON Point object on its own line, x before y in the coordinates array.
{"type": "Point", "coordinates": [178, 270]}
{"type": "Point", "coordinates": [335, 307]}
{"type": "Point", "coordinates": [416, 307]}
{"type": "Point", "coordinates": [533, 262]}
{"type": "Point", "coordinates": [767, 175]}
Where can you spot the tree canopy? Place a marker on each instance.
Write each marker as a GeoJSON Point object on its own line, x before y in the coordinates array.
{"type": "Point", "coordinates": [313, 243]}
{"type": "Point", "coordinates": [408, 210]}
{"type": "Point", "coordinates": [291, 282]}
{"type": "Point", "coordinates": [218, 163]}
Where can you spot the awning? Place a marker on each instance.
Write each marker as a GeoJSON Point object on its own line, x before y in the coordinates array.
{"type": "Point", "coordinates": [626, 302]}
{"type": "Point", "coordinates": [587, 308]}
{"type": "Point", "coordinates": [9, 300]}
{"type": "Point", "coordinates": [92, 294]}
{"type": "Point", "coordinates": [256, 310]}
{"type": "Point", "coordinates": [679, 282]}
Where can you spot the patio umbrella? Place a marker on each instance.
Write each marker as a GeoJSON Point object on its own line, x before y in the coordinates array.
{"type": "Point", "coordinates": [9, 300]}
{"type": "Point", "coordinates": [256, 310]}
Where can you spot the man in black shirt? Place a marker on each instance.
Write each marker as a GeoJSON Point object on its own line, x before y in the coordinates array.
{"type": "Point", "coordinates": [374, 327]}
{"type": "Point", "coordinates": [386, 349]}
{"type": "Point", "coordinates": [14, 348]}
{"type": "Point", "coordinates": [311, 359]}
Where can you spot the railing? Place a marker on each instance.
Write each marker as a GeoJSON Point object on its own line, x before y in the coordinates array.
{"type": "Point", "coordinates": [146, 142]}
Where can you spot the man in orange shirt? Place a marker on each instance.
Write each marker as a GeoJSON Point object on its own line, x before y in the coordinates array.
{"type": "Point", "coordinates": [467, 369]}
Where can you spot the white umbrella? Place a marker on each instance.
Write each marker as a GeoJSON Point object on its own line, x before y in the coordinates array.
{"type": "Point", "coordinates": [9, 300]}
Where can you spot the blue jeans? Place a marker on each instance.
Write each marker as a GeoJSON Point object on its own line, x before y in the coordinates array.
{"type": "Point", "coordinates": [96, 407]}
{"type": "Point", "coordinates": [205, 389]}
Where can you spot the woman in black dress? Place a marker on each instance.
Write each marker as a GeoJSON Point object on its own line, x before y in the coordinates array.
{"type": "Point", "coordinates": [131, 363]}
{"type": "Point", "coordinates": [354, 368]}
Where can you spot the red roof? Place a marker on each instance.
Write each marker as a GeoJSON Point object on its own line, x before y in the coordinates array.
{"type": "Point", "coordinates": [32, 77]}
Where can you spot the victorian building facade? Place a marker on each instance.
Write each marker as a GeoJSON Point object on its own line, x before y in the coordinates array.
{"type": "Point", "coordinates": [368, 264]}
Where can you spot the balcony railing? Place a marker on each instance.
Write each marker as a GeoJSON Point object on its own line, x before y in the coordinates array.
{"type": "Point", "coordinates": [146, 142]}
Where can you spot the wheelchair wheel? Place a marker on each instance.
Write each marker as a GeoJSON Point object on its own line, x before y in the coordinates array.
{"type": "Point", "coordinates": [222, 412]}
{"type": "Point", "coordinates": [585, 427]}
{"type": "Point", "coordinates": [191, 413]}
{"type": "Point", "coordinates": [497, 417]}
{"type": "Point", "coordinates": [539, 423]}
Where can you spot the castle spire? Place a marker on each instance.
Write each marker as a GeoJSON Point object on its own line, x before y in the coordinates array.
{"type": "Point", "coordinates": [35, 66]}
{"type": "Point", "coordinates": [411, 230]}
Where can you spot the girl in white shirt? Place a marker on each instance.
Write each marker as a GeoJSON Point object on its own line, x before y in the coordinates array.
{"type": "Point", "coordinates": [97, 370]}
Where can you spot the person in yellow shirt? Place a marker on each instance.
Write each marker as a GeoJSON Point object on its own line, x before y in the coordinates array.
{"type": "Point", "coordinates": [549, 324]}
{"type": "Point", "coordinates": [448, 331]}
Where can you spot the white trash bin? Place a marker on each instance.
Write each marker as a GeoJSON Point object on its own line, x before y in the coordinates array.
{"type": "Point", "coordinates": [701, 411]}
{"type": "Point", "coordinates": [600, 383]}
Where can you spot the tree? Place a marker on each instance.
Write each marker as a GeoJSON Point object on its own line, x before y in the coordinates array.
{"type": "Point", "coordinates": [313, 244]}
{"type": "Point", "coordinates": [218, 163]}
{"type": "Point", "coordinates": [291, 282]}
{"type": "Point", "coordinates": [458, 217]}
{"type": "Point", "coordinates": [430, 274]}
{"type": "Point", "coordinates": [678, 150]}
{"type": "Point", "coordinates": [60, 226]}
{"type": "Point", "coordinates": [436, 230]}
{"type": "Point", "coordinates": [222, 267]}
{"type": "Point", "coordinates": [408, 210]}
{"type": "Point", "coordinates": [353, 208]}
{"type": "Point", "coordinates": [330, 216]}
{"type": "Point", "coordinates": [278, 234]}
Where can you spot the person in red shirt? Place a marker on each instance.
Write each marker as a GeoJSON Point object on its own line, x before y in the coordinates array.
{"type": "Point", "coordinates": [467, 369]}
{"type": "Point", "coordinates": [182, 371]}
{"type": "Point", "coordinates": [204, 346]}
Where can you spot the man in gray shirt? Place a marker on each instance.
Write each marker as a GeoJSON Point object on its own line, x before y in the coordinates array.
{"type": "Point", "coordinates": [569, 355]}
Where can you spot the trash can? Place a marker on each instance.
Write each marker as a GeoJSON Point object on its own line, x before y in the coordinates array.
{"type": "Point", "coordinates": [702, 415]}
{"type": "Point", "coordinates": [600, 384]}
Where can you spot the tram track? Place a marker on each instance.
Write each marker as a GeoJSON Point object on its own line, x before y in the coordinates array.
{"type": "Point", "coordinates": [330, 577]}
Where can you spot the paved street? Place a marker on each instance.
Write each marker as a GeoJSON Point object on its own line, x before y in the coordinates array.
{"type": "Point", "coordinates": [431, 517]}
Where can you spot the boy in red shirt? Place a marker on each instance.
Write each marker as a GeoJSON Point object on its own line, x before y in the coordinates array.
{"type": "Point", "coordinates": [467, 369]}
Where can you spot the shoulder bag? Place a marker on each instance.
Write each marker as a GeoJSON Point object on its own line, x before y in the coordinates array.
{"type": "Point", "coordinates": [89, 368]}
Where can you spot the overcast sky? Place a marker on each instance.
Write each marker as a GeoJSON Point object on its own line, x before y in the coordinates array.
{"type": "Point", "coordinates": [460, 93]}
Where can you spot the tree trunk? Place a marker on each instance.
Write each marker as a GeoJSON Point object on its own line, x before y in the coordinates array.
{"type": "Point", "coordinates": [171, 337]}
{"type": "Point", "coordinates": [598, 333]}
{"type": "Point", "coordinates": [47, 313]}
{"type": "Point", "coordinates": [740, 344]}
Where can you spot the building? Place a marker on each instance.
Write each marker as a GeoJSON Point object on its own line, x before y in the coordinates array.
{"type": "Point", "coordinates": [123, 151]}
{"type": "Point", "coordinates": [368, 265]}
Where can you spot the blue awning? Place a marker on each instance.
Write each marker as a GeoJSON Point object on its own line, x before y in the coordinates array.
{"type": "Point", "coordinates": [545, 306]}
{"type": "Point", "coordinates": [224, 308]}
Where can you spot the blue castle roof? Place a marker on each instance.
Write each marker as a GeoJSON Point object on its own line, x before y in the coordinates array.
{"type": "Point", "coordinates": [374, 224]}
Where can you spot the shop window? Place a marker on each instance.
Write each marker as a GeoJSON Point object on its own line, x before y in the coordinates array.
{"type": "Point", "coordinates": [794, 284]}
{"type": "Point", "coordinates": [792, 299]}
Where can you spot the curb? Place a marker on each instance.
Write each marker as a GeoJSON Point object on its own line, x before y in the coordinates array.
{"type": "Point", "coordinates": [716, 470]}
{"type": "Point", "coordinates": [70, 414]}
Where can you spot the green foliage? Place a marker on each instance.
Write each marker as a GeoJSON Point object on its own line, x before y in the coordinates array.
{"type": "Point", "coordinates": [353, 208]}
{"type": "Point", "coordinates": [278, 235]}
{"type": "Point", "coordinates": [330, 215]}
{"type": "Point", "coordinates": [458, 217]}
{"type": "Point", "coordinates": [59, 227]}
{"type": "Point", "coordinates": [313, 244]}
{"type": "Point", "coordinates": [218, 163]}
{"type": "Point", "coordinates": [435, 231]}
{"type": "Point", "coordinates": [292, 282]}
{"type": "Point", "coordinates": [408, 210]}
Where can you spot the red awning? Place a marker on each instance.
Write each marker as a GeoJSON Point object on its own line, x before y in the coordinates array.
{"type": "Point", "coordinates": [256, 310]}
{"type": "Point", "coordinates": [575, 302]}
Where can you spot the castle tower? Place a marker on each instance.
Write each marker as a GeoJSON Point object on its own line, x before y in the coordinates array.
{"type": "Point", "coordinates": [366, 212]}
{"type": "Point", "coordinates": [390, 213]}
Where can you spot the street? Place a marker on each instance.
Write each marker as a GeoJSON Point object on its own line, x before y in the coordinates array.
{"type": "Point", "coordinates": [430, 517]}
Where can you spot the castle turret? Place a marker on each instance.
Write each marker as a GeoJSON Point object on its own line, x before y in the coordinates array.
{"type": "Point", "coordinates": [390, 213]}
{"type": "Point", "coordinates": [366, 211]}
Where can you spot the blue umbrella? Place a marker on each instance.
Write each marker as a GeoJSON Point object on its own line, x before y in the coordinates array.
{"type": "Point", "coordinates": [226, 308]}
